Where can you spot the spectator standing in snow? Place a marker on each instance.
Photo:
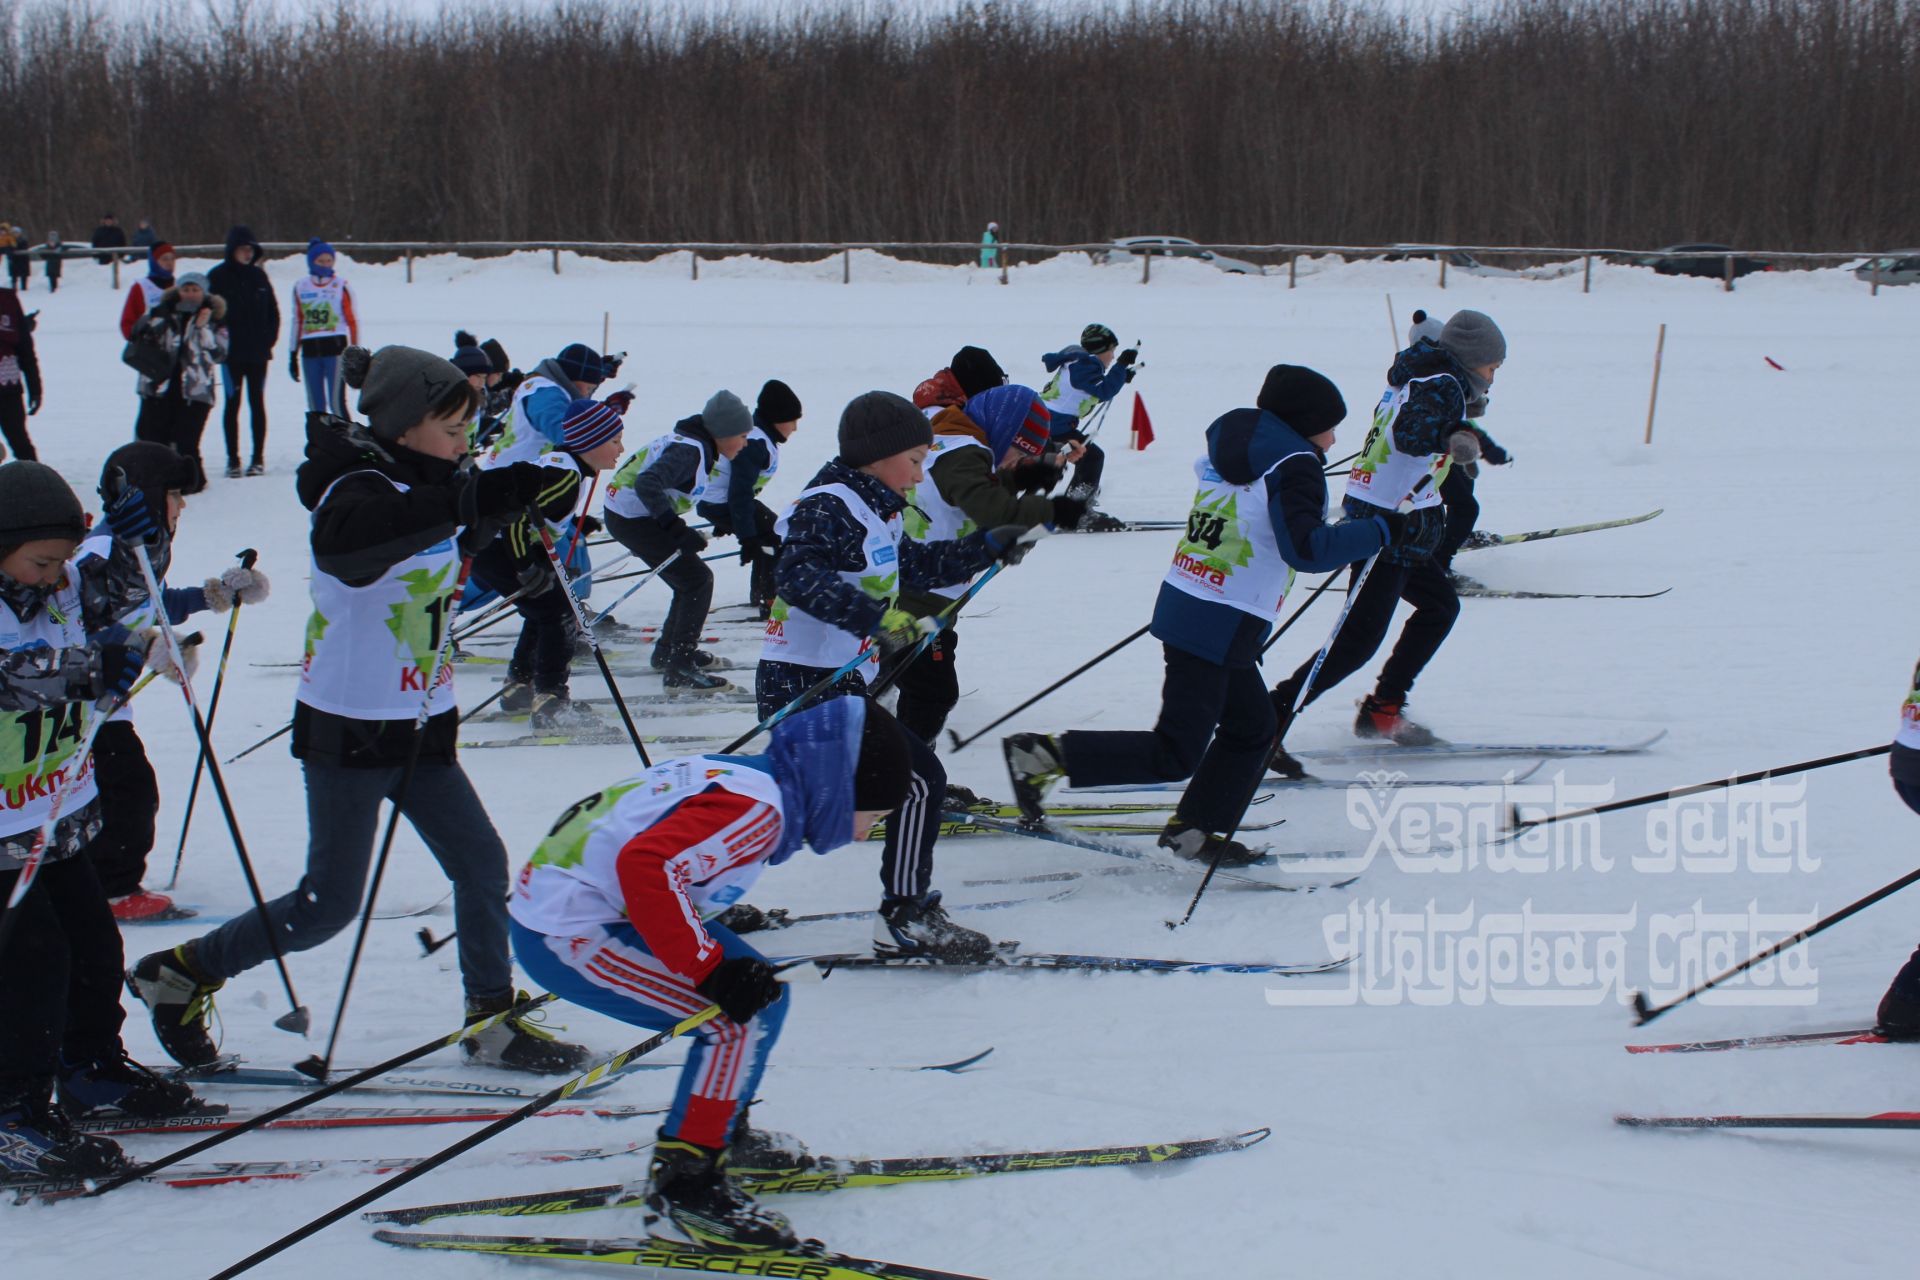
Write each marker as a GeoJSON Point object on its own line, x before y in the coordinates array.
{"type": "Point", "coordinates": [55, 255]}
{"type": "Point", "coordinates": [108, 235]}
{"type": "Point", "coordinates": [144, 236]}
{"type": "Point", "coordinates": [990, 245]}
{"type": "Point", "coordinates": [253, 326]}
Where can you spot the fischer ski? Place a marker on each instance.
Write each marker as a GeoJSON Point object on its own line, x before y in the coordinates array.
{"type": "Point", "coordinates": [832, 1174]}
{"type": "Point", "coordinates": [1876, 1120]}
{"type": "Point", "coordinates": [1477, 540]}
{"type": "Point", "coordinates": [1054, 877]}
{"type": "Point", "coordinates": [1083, 963]}
{"type": "Point", "coordinates": [668, 1255]}
{"type": "Point", "coordinates": [1792, 1039]}
{"type": "Point", "coordinates": [342, 1118]}
{"type": "Point", "coordinates": [1309, 783]}
{"type": "Point", "coordinates": [1385, 750]}
{"type": "Point", "coordinates": [1468, 588]}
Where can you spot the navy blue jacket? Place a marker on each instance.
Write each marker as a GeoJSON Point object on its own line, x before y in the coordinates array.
{"type": "Point", "coordinates": [1086, 376]}
{"type": "Point", "coordinates": [824, 540]}
{"type": "Point", "coordinates": [1243, 444]}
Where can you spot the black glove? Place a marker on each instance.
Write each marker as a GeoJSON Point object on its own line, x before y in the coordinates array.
{"type": "Point", "coordinates": [1397, 527]}
{"type": "Point", "coordinates": [741, 985]}
{"type": "Point", "coordinates": [1126, 358]}
{"type": "Point", "coordinates": [1131, 370]}
{"type": "Point", "coordinates": [120, 665]}
{"type": "Point", "coordinates": [1004, 541]}
{"type": "Point", "coordinates": [688, 539]}
{"type": "Point", "coordinates": [1490, 450]}
{"type": "Point", "coordinates": [534, 576]}
{"type": "Point", "coordinates": [755, 545]}
{"type": "Point", "coordinates": [293, 362]}
{"type": "Point", "coordinates": [1068, 512]}
{"type": "Point", "coordinates": [1030, 477]}
{"type": "Point", "coordinates": [31, 321]}
{"type": "Point", "coordinates": [611, 362]}
{"type": "Point", "coordinates": [33, 404]}
{"type": "Point", "coordinates": [128, 517]}
{"type": "Point", "coordinates": [505, 490]}
{"type": "Point", "coordinates": [590, 525]}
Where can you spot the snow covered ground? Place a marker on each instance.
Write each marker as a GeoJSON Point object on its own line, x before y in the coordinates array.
{"type": "Point", "coordinates": [1438, 1111]}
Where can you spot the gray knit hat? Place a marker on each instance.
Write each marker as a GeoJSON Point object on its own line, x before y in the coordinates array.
{"type": "Point", "coordinates": [878, 425]}
{"type": "Point", "coordinates": [1473, 339]}
{"type": "Point", "coordinates": [36, 503]}
{"type": "Point", "coordinates": [726, 415]}
{"type": "Point", "coordinates": [398, 386]}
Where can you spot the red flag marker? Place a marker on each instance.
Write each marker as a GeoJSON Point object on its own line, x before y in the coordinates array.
{"type": "Point", "coordinates": [1775, 363]}
{"type": "Point", "coordinates": [1142, 425]}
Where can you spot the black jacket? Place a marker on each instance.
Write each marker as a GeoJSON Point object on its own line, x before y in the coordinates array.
{"type": "Point", "coordinates": [253, 313]}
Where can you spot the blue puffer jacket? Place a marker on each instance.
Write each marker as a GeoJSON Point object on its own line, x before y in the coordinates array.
{"type": "Point", "coordinates": [1086, 376]}
{"type": "Point", "coordinates": [1242, 445]}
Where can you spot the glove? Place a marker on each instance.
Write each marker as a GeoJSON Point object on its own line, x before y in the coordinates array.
{"type": "Point", "coordinates": [611, 362]}
{"type": "Point", "coordinates": [1126, 358]}
{"type": "Point", "coordinates": [741, 985]}
{"type": "Point", "coordinates": [33, 404]}
{"type": "Point", "coordinates": [505, 490]}
{"type": "Point", "coordinates": [1397, 524]}
{"type": "Point", "coordinates": [535, 578]}
{"type": "Point", "coordinates": [293, 363]}
{"type": "Point", "coordinates": [621, 402]}
{"type": "Point", "coordinates": [1067, 513]}
{"type": "Point", "coordinates": [237, 585]}
{"type": "Point", "coordinates": [123, 656]}
{"type": "Point", "coordinates": [754, 545]}
{"type": "Point", "coordinates": [1006, 541]}
{"type": "Point", "coordinates": [1030, 477]}
{"type": "Point", "coordinates": [128, 517]}
{"type": "Point", "coordinates": [689, 540]}
{"type": "Point", "coordinates": [160, 658]}
{"type": "Point", "coordinates": [1131, 370]}
{"type": "Point", "coordinates": [899, 630]}
{"type": "Point", "coordinates": [1490, 450]}
{"type": "Point", "coordinates": [1464, 445]}
{"type": "Point", "coordinates": [590, 525]}
{"type": "Point", "coordinates": [31, 321]}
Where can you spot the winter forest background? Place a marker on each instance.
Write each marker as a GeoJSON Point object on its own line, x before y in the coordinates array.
{"type": "Point", "coordinates": [1767, 124]}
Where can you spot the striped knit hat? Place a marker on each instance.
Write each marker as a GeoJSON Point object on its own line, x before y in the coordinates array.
{"type": "Point", "coordinates": [1013, 418]}
{"type": "Point", "coordinates": [589, 424]}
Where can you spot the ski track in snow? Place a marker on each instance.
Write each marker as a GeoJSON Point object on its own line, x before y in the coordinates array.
{"type": "Point", "coordinates": [1457, 1139]}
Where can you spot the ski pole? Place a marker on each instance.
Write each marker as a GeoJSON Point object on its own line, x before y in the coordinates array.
{"type": "Point", "coordinates": [498, 609]}
{"type": "Point", "coordinates": [593, 641]}
{"type": "Point", "coordinates": [610, 578]}
{"type": "Point", "coordinates": [296, 1018]}
{"type": "Point", "coordinates": [319, 1067]}
{"type": "Point", "coordinates": [324, 1092]}
{"type": "Point", "coordinates": [1645, 1012]}
{"type": "Point", "coordinates": [960, 742]}
{"type": "Point", "coordinates": [1328, 469]}
{"type": "Point", "coordinates": [941, 620]}
{"type": "Point", "coordinates": [645, 578]}
{"type": "Point", "coordinates": [801, 701]}
{"type": "Point", "coordinates": [1517, 824]}
{"type": "Point", "coordinates": [1318, 591]}
{"type": "Point", "coordinates": [247, 561]}
{"type": "Point", "coordinates": [468, 1143]}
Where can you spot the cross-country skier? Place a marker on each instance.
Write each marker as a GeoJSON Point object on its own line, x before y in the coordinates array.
{"type": "Point", "coordinates": [1456, 491]}
{"type": "Point", "coordinates": [393, 513]}
{"type": "Point", "coordinates": [1258, 516]}
{"type": "Point", "coordinates": [324, 325]}
{"type": "Point", "coordinates": [1419, 429]}
{"type": "Point", "coordinates": [843, 561]}
{"type": "Point", "coordinates": [732, 501]}
{"type": "Point", "coordinates": [1084, 377]}
{"type": "Point", "coordinates": [616, 912]}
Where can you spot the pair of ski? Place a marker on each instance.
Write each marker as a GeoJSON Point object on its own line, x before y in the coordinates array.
{"type": "Point", "coordinates": [1477, 540]}
{"type": "Point", "coordinates": [1787, 1040]}
{"type": "Point", "coordinates": [1383, 750]}
{"type": "Point", "coordinates": [823, 1175]}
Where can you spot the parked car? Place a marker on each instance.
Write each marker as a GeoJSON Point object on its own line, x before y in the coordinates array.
{"type": "Point", "coordinates": [1900, 268]}
{"type": "Point", "coordinates": [1459, 259]}
{"type": "Point", "coordinates": [1667, 264]}
{"type": "Point", "coordinates": [1177, 247]}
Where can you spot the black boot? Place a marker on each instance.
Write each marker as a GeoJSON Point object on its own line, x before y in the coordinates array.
{"type": "Point", "coordinates": [1186, 841]}
{"type": "Point", "coordinates": [517, 1044]}
{"type": "Point", "coordinates": [1281, 761]}
{"type": "Point", "coordinates": [690, 1198]}
{"type": "Point", "coordinates": [37, 1139]}
{"type": "Point", "coordinates": [180, 1002]}
{"type": "Point", "coordinates": [1899, 1016]}
{"type": "Point", "coordinates": [114, 1084]}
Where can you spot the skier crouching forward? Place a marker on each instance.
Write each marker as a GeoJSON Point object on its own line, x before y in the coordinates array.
{"type": "Point", "coordinates": [615, 911]}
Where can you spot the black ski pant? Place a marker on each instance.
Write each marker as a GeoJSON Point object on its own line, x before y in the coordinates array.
{"type": "Point", "coordinates": [63, 962]}
{"type": "Point", "coordinates": [254, 378]}
{"type": "Point", "coordinates": [543, 656]}
{"type": "Point", "coordinates": [13, 422]}
{"type": "Point", "coordinates": [1422, 584]}
{"type": "Point", "coordinates": [1463, 512]}
{"type": "Point", "coordinates": [178, 423]}
{"type": "Point", "coordinates": [906, 862]}
{"type": "Point", "coordinates": [129, 799]}
{"type": "Point", "coordinates": [929, 688]}
{"type": "Point", "coordinates": [1216, 726]}
{"type": "Point", "coordinates": [691, 580]}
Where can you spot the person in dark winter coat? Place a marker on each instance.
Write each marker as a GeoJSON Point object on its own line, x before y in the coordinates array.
{"type": "Point", "coordinates": [1084, 377]}
{"type": "Point", "coordinates": [1420, 431]}
{"type": "Point", "coordinates": [144, 236]}
{"type": "Point", "coordinates": [63, 652]}
{"type": "Point", "coordinates": [253, 326]}
{"type": "Point", "coordinates": [844, 559]}
{"type": "Point", "coordinates": [394, 510]}
{"type": "Point", "coordinates": [188, 323]}
{"type": "Point", "coordinates": [20, 389]}
{"type": "Point", "coordinates": [108, 235]}
{"type": "Point", "coordinates": [54, 254]}
{"type": "Point", "coordinates": [19, 258]}
{"type": "Point", "coordinates": [1899, 1013]}
{"type": "Point", "coordinates": [732, 504]}
{"type": "Point", "coordinates": [1456, 491]}
{"type": "Point", "coordinates": [986, 471]}
{"type": "Point", "coordinates": [1258, 516]}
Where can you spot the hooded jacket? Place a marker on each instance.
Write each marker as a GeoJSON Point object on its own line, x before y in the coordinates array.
{"type": "Point", "coordinates": [1243, 445]}
{"type": "Point", "coordinates": [1084, 375]}
{"type": "Point", "coordinates": [1434, 410]}
{"type": "Point", "coordinates": [253, 313]}
{"type": "Point", "coordinates": [195, 348]}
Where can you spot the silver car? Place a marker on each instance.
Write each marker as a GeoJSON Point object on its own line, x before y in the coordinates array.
{"type": "Point", "coordinates": [1899, 268]}
{"type": "Point", "coordinates": [1177, 247]}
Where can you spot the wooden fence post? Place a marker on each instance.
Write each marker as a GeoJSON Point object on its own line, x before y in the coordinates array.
{"type": "Point", "coordinates": [1653, 397]}
{"type": "Point", "coordinates": [116, 273]}
{"type": "Point", "coordinates": [1443, 269]}
{"type": "Point", "coordinates": [1727, 286]}
{"type": "Point", "coordinates": [1001, 255]}
{"type": "Point", "coordinates": [846, 266]}
{"type": "Point", "coordinates": [556, 261]}
{"type": "Point", "coordinates": [695, 255]}
{"type": "Point", "coordinates": [1293, 261]}
{"type": "Point", "coordinates": [409, 266]}
{"type": "Point", "coordinates": [1146, 266]}
{"type": "Point", "coordinates": [1586, 278]}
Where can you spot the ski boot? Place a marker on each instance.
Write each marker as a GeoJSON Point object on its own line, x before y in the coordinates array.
{"type": "Point", "coordinates": [921, 927]}
{"type": "Point", "coordinates": [143, 906]}
{"type": "Point", "coordinates": [180, 1002]}
{"type": "Point", "coordinates": [697, 659]}
{"type": "Point", "coordinates": [37, 1139]}
{"type": "Point", "coordinates": [516, 1044]}
{"type": "Point", "coordinates": [555, 711]}
{"type": "Point", "coordinates": [1034, 766]}
{"type": "Point", "coordinates": [1388, 720]}
{"type": "Point", "coordinates": [517, 696]}
{"type": "Point", "coordinates": [967, 799]}
{"type": "Point", "coordinates": [1098, 521]}
{"type": "Point", "coordinates": [1899, 1015]}
{"type": "Point", "coordinates": [689, 678]}
{"type": "Point", "coordinates": [116, 1085]}
{"type": "Point", "coordinates": [1186, 841]}
{"type": "Point", "coordinates": [691, 1199]}
{"type": "Point", "coordinates": [765, 1150]}
{"type": "Point", "coordinates": [744, 917]}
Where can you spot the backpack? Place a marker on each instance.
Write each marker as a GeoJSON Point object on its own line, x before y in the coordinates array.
{"type": "Point", "coordinates": [146, 352]}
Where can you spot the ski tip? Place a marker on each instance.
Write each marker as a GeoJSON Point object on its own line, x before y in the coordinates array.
{"type": "Point", "coordinates": [296, 1020]}
{"type": "Point", "coordinates": [955, 1068]}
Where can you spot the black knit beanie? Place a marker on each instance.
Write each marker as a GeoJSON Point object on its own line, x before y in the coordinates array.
{"type": "Point", "coordinates": [1303, 399]}
{"type": "Point", "coordinates": [777, 403]}
{"type": "Point", "coordinates": [35, 503]}
{"type": "Point", "coordinates": [885, 768]}
{"type": "Point", "coordinates": [878, 425]}
{"type": "Point", "coordinates": [976, 371]}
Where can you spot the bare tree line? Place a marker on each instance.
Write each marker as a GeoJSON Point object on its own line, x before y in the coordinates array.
{"type": "Point", "coordinates": [1791, 124]}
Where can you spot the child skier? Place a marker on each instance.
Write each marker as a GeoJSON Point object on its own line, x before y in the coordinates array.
{"type": "Point", "coordinates": [615, 912]}
{"type": "Point", "coordinates": [983, 472]}
{"type": "Point", "coordinates": [1899, 1014]}
{"type": "Point", "coordinates": [1419, 428]}
{"type": "Point", "coordinates": [1085, 377]}
{"type": "Point", "coordinates": [646, 504]}
{"type": "Point", "coordinates": [129, 796]}
{"type": "Point", "coordinates": [393, 512]}
{"type": "Point", "coordinates": [842, 562]}
{"type": "Point", "coordinates": [61, 652]}
{"type": "Point", "coordinates": [531, 424]}
{"type": "Point", "coordinates": [144, 295]}
{"type": "Point", "coordinates": [1258, 515]}
{"type": "Point", "coordinates": [538, 674]}
{"type": "Point", "coordinates": [1456, 491]}
{"type": "Point", "coordinates": [324, 325]}
{"type": "Point", "coordinates": [732, 502]}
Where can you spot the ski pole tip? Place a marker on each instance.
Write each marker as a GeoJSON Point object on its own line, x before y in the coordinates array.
{"type": "Point", "coordinates": [313, 1068]}
{"type": "Point", "coordinates": [296, 1020]}
{"type": "Point", "coordinates": [1643, 1012]}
